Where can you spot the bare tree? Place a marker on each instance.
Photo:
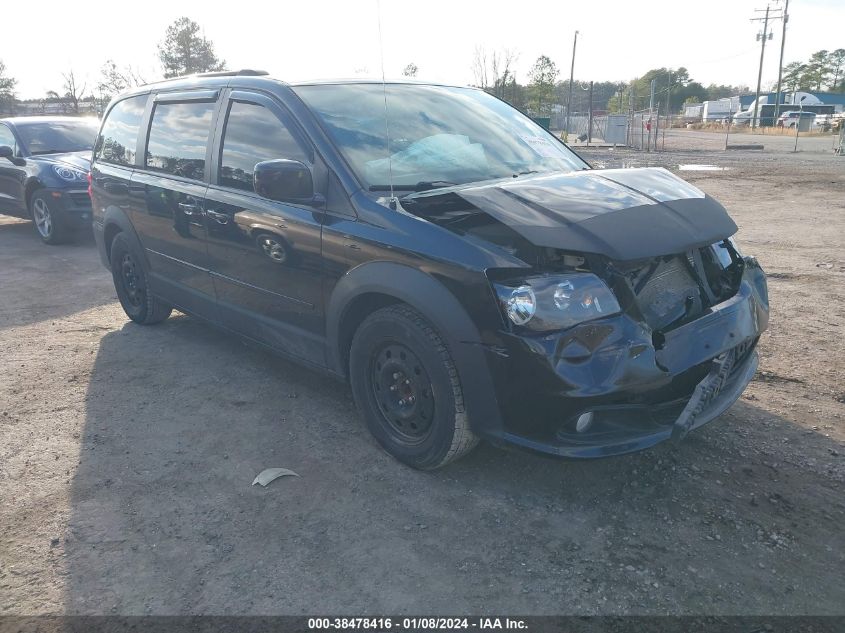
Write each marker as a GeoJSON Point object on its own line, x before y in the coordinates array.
{"type": "Point", "coordinates": [114, 80]}
{"type": "Point", "coordinates": [493, 72]}
{"type": "Point", "coordinates": [501, 63]}
{"type": "Point", "coordinates": [73, 93]}
{"type": "Point", "coordinates": [479, 67]}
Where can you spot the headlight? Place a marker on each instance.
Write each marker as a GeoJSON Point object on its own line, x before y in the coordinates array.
{"type": "Point", "coordinates": [556, 302]}
{"type": "Point", "coordinates": [521, 305]}
{"type": "Point", "coordinates": [69, 174]}
{"type": "Point", "coordinates": [733, 243]}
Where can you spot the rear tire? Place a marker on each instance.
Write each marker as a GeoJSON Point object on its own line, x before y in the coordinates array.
{"type": "Point", "coordinates": [48, 223]}
{"type": "Point", "coordinates": [407, 387]}
{"type": "Point", "coordinates": [132, 285]}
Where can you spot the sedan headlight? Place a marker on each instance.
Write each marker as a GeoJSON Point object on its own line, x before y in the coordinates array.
{"type": "Point", "coordinates": [69, 174]}
{"type": "Point", "coordinates": [556, 302]}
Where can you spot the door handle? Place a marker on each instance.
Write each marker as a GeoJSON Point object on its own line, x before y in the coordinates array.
{"type": "Point", "coordinates": [189, 208]}
{"type": "Point", "coordinates": [220, 218]}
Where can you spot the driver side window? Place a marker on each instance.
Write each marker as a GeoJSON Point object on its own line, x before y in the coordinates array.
{"type": "Point", "coordinates": [253, 134]}
{"type": "Point", "coordinates": [7, 138]}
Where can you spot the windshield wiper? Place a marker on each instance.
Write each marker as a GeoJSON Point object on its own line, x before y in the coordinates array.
{"type": "Point", "coordinates": [423, 185]}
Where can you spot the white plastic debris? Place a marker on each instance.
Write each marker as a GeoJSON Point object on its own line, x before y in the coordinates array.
{"type": "Point", "coordinates": [271, 474]}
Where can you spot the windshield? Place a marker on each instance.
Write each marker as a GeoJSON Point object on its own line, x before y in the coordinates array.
{"type": "Point", "coordinates": [439, 135]}
{"type": "Point", "coordinates": [58, 137]}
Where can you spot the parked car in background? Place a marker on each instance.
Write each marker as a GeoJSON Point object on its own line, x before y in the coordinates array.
{"type": "Point", "coordinates": [460, 266]}
{"type": "Point", "coordinates": [44, 163]}
{"type": "Point", "coordinates": [790, 118]}
{"type": "Point", "coordinates": [823, 122]}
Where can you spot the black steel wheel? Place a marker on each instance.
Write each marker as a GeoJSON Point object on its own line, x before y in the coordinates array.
{"type": "Point", "coordinates": [132, 285]}
{"type": "Point", "coordinates": [402, 391]}
{"type": "Point", "coordinates": [408, 389]}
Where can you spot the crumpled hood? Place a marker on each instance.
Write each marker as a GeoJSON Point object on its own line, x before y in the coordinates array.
{"type": "Point", "coordinates": [78, 160]}
{"type": "Point", "coordinates": [625, 214]}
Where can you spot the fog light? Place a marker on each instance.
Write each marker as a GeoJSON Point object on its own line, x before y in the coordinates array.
{"type": "Point", "coordinates": [584, 422]}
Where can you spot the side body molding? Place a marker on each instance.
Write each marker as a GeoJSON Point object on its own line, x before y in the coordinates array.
{"type": "Point", "coordinates": [434, 301]}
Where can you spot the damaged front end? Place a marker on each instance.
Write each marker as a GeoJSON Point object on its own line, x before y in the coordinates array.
{"type": "Point", "coordinates": [634, 319]}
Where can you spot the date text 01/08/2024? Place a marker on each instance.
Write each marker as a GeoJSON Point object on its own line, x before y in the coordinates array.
{"type": "Point", "coordinates": [411, 623]}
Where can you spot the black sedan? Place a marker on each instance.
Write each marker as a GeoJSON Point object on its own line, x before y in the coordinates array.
{"type": "Point", "coordinates": [44, 163]}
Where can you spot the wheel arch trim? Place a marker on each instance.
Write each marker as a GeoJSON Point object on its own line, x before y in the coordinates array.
{"type": "Point", "coordinates": [421, 291]}
{"type": "Point", "coordinates": [32, 184]}
{"type": "Point", "coordinates": [115, 216]}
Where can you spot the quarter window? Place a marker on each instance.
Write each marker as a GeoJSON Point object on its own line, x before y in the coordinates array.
{"type": "Point", "coordinates": [118, 139]}
{"type": "Point", "coordinates": [253, 134]}
{"type": "Point", "coordinates": [178, 138]}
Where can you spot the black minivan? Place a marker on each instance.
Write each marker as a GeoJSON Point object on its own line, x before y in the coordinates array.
{"type": "Point", "coordinates": [461, 267]}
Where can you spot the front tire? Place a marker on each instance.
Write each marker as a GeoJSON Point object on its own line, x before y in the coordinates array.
{"type": "Point", "coordinates": [48, 223]}
{"type": "Point", "coordinates": [407, 387]}
{"type": "Point", "coordinates": [132, 285]}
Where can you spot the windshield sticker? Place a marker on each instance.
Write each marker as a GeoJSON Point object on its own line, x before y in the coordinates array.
{"type": "Point", "coordinates": [541, 146]}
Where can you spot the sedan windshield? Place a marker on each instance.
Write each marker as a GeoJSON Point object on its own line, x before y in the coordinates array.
{"type": "Point", "coordinates": [58, 137]}
{"type": "Point", "coordinates": [439, 136]}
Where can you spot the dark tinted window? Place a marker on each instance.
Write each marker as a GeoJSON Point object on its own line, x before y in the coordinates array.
{"type": "Point", "coordinates": [58, 137]}
{"type": "Point", "coordinates": [119, 137]}
{"type": "Point", "coordinates": [178, 138]}
{"type": "Point", "coordinates": [253, 134]}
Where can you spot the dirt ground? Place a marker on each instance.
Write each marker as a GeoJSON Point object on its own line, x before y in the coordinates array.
{"type": "Point", "coordinates": [127, 454]}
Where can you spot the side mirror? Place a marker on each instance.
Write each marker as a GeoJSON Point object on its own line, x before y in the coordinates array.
{"type": "Point", "coordinates": [6, 152]}
{"type": "Point", "coordinates": [284, 180]}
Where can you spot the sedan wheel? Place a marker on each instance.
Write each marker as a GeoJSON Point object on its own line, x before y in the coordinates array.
{"type": "Point", "coordinates": [48, 222]}
{"type": "Point", "coordinates": [42, 217]}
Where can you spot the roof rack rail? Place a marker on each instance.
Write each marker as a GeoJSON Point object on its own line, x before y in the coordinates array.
{"type": "Point", "coordinates": [243, 72]}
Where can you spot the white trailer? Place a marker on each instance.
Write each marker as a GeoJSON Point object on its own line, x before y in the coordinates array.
{"type": "Point", "coordinates": [720, 108]}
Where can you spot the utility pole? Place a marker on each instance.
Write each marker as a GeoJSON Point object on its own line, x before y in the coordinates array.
{"type": "Point", "coordinates": [669, 97]}
{"type": "Point", "coordinates": [571, 79]}
{"type": "Point", "coordinates": [780, 66]}
{"type": "Point", "coordinates": [766, 35]}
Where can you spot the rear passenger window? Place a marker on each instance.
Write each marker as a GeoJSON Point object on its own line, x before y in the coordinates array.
{"type": "Point", "coordinates": [253, 134]}
{"type": "Point", "coordinates": [178, 138]}
{"type": "Point", "coordinates": [119, 137]}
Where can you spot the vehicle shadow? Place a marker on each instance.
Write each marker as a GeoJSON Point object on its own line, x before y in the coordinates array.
{"type": "Point", "coordinates": [180, 418]}
{"type": "Point", "coordinates": [28, 268]}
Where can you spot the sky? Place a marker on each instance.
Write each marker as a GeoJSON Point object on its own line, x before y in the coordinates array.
{"type": "Point", "coordinates": [317, 39]}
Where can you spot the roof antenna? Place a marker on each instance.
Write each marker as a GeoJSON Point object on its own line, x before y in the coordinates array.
{"type": "Point", "coordinates": [386, 121]}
